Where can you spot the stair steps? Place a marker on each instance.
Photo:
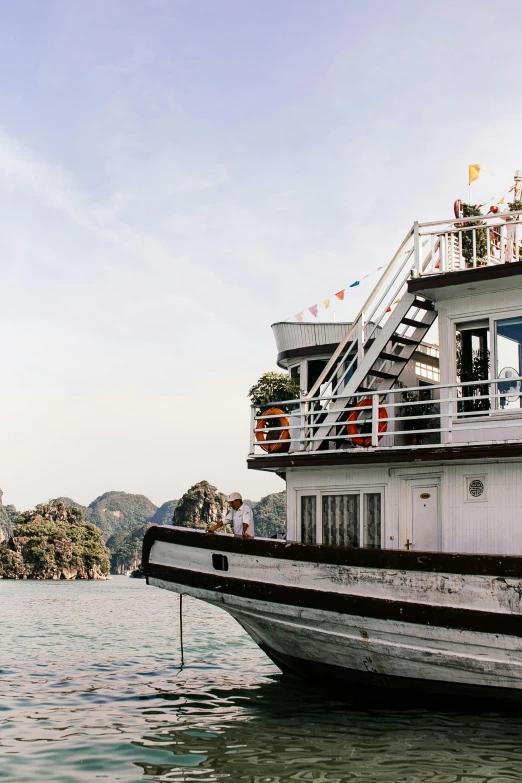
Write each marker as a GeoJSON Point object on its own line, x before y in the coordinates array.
{"type": "Point", "coordinates": [385, 354]}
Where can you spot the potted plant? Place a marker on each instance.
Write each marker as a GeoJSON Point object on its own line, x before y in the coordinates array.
{"type": "Point", "coordinates": [416, 411]}
{"type": "Point", "coordinates": [269, 389]}
{"type": "Point", "coordinates": [481, 245]}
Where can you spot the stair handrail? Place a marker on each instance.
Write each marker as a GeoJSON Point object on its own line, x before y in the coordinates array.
{"type": "Point", "coordinates": [346, 340]}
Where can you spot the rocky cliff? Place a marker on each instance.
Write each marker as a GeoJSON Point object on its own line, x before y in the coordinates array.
{"type": "Point", "coordinates": [8, 516]}
{"type": "Point", "coordinates": [54, 542]}
{"type": "Point", "coordinates": [125, 549]}
{"type": "Point", "coordinates": [201, 505]}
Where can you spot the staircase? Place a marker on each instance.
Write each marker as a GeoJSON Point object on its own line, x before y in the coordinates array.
{"type": "Point", "coordinates": [388, 350]}
{"type": "Point", "coordinates": [386, 333]}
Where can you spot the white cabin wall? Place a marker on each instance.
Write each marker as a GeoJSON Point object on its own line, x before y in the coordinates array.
{"type": "Point", "coordinates": [492, 525]}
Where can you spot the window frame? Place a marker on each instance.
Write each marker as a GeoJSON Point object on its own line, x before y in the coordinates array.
{"type": "Point", "coordinates": [505, 317]}
{"type": "Point", "coordinates": [319, 492]}
{"type": "Point", "coordinates": [466, 319]}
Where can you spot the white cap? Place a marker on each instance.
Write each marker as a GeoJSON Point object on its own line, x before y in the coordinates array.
{"type": "Point", "coordinates": [234, 496]}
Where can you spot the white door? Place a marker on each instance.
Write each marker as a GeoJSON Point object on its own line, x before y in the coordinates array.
{"type": "Point", "coordinates": [421, 531]}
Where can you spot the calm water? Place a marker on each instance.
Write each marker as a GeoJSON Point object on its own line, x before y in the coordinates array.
{"type": "Point", "coordinates": [91, 689]}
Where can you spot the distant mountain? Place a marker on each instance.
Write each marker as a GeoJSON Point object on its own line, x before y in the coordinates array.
{"type": "Point", "coordinates": [121, 511]}
{"type": "Point", "coordinates": [270, 515]}
{"type": "Point", "coordinates": [164, 514]}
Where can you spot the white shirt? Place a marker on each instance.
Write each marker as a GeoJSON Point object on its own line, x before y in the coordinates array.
{"type": "Point", "coordinates": [241, 517]}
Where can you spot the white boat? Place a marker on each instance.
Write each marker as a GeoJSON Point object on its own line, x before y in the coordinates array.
{"type": "Point", "coordinates": [402, 564]}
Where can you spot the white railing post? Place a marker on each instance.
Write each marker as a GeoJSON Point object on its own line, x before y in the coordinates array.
{"type": "Point", "coordinates": [417, 248]}
{"type": "Point", "coordinates": [252, 443]}
{"type": "Point", "coordinates": [443, 251]}
{"type": "Point", "coordinates": [360, 339]}
{"type": "Point", "coordinates": [375, 419]}
{"type": "Point", "coordinates": [304, 406]}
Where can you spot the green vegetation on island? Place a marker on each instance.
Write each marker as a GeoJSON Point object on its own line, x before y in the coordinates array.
{"type": "Point", "coordinates": [54, 542]}
{"type": "Point", "coordinates": [201, 505]}
{"type": "Point", "coordinates": [64, 539]}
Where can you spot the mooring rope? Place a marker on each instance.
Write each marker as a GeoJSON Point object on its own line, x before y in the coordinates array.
{"type": "Point", "coordinates": [181, 628]}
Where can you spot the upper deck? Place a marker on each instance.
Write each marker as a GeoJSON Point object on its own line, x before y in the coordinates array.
{"type": "Point", "coordinates": [463, 274]}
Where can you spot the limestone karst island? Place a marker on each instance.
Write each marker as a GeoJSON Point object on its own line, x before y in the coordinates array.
{"type": "Point", "coordinates": [62, 539]}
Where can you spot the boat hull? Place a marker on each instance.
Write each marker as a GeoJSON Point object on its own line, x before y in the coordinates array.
{"type": "Point", "coordinates": [416, 628]}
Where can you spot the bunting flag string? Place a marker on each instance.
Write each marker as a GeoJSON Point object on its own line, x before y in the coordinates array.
{"type": "Point", "coordinates": [314, 309]}
{"type": "Point", "coordinates": [496, 199]}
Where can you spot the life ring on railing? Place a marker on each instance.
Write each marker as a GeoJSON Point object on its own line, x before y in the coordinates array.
{"type": "Point", "coordinates": [264, 436]}
{"type": "Point", "coordinates": [354, 423]}
{"type": "Point", "coordinates": [457, 208]}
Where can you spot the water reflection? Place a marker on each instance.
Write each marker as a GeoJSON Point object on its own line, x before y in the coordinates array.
{"type": "Point", "coordinates": [90, 690]}
{"type": "Point", "coordinates": [288, 731]}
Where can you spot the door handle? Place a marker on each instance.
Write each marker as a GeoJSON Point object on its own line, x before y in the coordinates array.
{"type": "Point", "coordinates": [408, 544]}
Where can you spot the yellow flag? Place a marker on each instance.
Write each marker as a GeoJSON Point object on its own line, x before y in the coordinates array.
{"type": "Point", "coordinates": [326, 303]}
{"type": "Point", "coordinates": [474, 170]}
{"type": "Point", "coordinates": [501, 200]}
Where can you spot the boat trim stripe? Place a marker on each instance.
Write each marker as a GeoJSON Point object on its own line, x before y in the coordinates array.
{"type": "Point", "coordinates": [388, 559]}
{"type": "Point", "coordinates": [359, 606]}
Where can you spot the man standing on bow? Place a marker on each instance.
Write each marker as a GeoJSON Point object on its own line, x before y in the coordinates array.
{"type": "Point", "coordinates": [241, 517]}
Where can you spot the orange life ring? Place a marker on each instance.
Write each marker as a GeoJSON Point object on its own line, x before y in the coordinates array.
{"type": "Point", "coordinates": [265, 436]}
{"type": "Point", "coordinates": [354, 425]}
{"type": "Point", "coordinates": [457, 208]}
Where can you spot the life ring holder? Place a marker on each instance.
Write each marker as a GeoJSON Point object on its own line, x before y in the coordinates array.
{"type": "Point", "coordinates": [264, 437]}
{"type": "Point", "coordinates": [354, 423]}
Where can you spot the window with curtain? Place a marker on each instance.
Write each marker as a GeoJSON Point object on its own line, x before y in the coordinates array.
{"type": "Point", "coordinates": [341, 520]}
{"type": "Point", "coordinates": [372, 520]}
{"type": "Point", "coordinates": [308, 519]}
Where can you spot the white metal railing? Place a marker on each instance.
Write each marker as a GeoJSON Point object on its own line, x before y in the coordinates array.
{"type": "Point", "coordinates": [433, 248]}
{"type": "Point", "coordinates": [419, 417]}
{"type": "Point", "coordinates": [465, 243]}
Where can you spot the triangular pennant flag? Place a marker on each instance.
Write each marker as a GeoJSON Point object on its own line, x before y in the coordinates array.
{"type": "Point", "coordinates": [352, 285]}
{"type": "Point", "coordinates": [299, 316]}
{"type": "Point", "coordinates": [340, 295]}
{"type": "Point", "coordinates": [501, 200]}
{"type": "Point", "coordinates": [474, 170]}
{"type": "Point", "coordinates": [313, 310]}
{"type": "Point", "coordinates": [326, 303]}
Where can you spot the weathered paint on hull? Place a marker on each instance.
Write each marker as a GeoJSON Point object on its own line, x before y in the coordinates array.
{"type": "Point", "coordinates": [382, 653]}
{"type": "Point", "coordinates": [424, 621]}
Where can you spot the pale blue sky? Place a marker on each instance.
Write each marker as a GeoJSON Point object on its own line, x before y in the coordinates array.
{"type": "Point", "coordinates": [175, 176]}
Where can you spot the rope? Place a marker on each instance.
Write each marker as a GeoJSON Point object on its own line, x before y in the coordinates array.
{"type": "Point", "coordinates": [181, 628]}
